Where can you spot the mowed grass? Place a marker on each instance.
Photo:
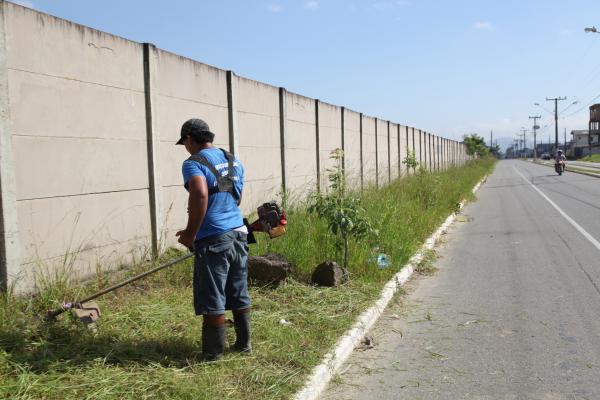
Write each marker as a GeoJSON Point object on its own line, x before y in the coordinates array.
{"type": "Point", "coordinates": [591, 158]}
{"type": "Point", "coordinates": [147, 343]}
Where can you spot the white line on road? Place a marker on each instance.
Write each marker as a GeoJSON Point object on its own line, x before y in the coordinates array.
{"type": "Point", "coordinates": [564, 214]}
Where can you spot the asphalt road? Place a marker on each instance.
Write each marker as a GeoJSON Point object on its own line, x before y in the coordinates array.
{"type": "Point", "coordinates": [513, 311]}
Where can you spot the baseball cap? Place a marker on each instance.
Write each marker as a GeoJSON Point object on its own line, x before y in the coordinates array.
{"type": "Point", "coordinates": [195, 127]}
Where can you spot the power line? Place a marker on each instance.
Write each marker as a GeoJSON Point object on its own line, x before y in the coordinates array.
{"type": "Point", "coordinates": [584, 107]}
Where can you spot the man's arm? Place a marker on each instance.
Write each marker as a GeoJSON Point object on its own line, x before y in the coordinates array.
{"type": "Point", "coordinates": [197, 205]}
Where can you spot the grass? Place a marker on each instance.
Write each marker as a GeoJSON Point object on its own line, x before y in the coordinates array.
{"type": "Point", "coordinates": [146, 344]}
{"type": "Point", "coordinates": [591, 158]}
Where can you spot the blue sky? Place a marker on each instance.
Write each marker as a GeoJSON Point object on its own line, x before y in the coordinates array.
{"type": "Point", "coordinates": [449, 67]}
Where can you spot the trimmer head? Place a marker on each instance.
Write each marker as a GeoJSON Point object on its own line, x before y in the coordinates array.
{"type": "Point", "coordinates": [87, 313]}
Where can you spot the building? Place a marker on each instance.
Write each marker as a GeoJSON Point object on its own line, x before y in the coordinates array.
{"type": "Point", "coordinates": [580, 144]}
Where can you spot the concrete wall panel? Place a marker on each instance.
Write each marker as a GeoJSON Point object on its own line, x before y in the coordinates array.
{"type": "Point", "coordinates": [369, 151]}
{"type": "Point", "coordinates": [93, 56]}
{"type": "Point", "coordinates": [301, 145]}
{"type": "Point", "coordinates": [187, 89]}
{"type": "Point", "coordinates": [259, 141]}
{"type": "Point", "coordinates": [51, 167]}
{"type": "Point", "coordinates": [394, 156]}
{"type": "Point", "coordinates": [54, 226]}
{"type": "Point", "coordinates": [43, 105]}
{"type": "Point", "coordinates": [352, 146]}
{"type": "Point", "coordinates": [382, 152]}
{"type": "Point", "coordinates": [403, 148]}
{"type": "Point", "coordinates": [330, 137]}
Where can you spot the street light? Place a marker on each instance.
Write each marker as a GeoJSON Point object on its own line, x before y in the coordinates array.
{"type": "Point", "coordinates": [591, 30]}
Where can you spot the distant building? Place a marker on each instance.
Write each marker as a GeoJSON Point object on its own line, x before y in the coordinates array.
{"type": "Point", "coordinates": [594, 130]}
{"type": "Point", "coordinates": [580, 144]}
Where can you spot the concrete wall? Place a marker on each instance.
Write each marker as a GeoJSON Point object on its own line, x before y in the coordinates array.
{"type": "Point", "coordinates": [369, 149]}
{"type": "Point", "coordinates": [330, 137]}
{"type": "Point", "coordinates": [382, 153]}
{"type": "Point", "coordinates": [394, 156]}
{"type": "Point", "coordinates": [78, 141]}
{"type": "Point", "coordinates": [301, 145]}
{"type": "Point", "coordinates": [352, 155]}
{"type": "Point", "coordinates": [403, 136]}
{"type": "Point", "coordinates": [259, 141]}
{"type": "Point", "coordinates": [183, 89]}
{"type": "Point", "coordinates": [89, 172]}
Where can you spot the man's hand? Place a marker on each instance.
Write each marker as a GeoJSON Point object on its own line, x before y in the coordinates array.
{"type": "Point", "coordinates": [186, 238]}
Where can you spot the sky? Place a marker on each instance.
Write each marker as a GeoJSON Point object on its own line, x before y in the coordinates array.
{"type": "Point", "coordinates": [448, 67]}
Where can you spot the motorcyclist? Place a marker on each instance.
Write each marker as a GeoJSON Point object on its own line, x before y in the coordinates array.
{"type": "Point", "coordinates": [559, 160]}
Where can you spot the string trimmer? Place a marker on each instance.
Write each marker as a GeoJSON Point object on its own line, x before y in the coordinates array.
{"type": "Point", "coordinates": [271, 220]}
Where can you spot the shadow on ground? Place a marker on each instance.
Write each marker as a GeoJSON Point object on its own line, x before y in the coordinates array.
{"type": "Point", "coordinates": [58, 348]}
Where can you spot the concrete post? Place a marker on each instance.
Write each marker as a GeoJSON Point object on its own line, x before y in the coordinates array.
{"type": "Point", "coordinates": [407, 147]}
{"type": "Point", "coordinates": [9, 231]}
{"type": "Point", "coordinates": [413, 149]}
{"type": "Point", "coordinates": [399, 151]}
{"type": "Point", "coordinates": [232, 113]}
{"type": "Point", "coordinates": [153, 142]}
{"type": "Point", "coordinates": [438, 152]}
{"type": "Point", "coordinates": [376, 158]}
{"type": "Point", "coordinates": [343, 133]}
{"type": "Point", "coordinates": [430, 154]}
{"type": "Point", "coordinates": [362, 179]}
{"type": "Point", "coordinates": [317, 145]}
{"type": "Point", "coordinates": [282, 138]}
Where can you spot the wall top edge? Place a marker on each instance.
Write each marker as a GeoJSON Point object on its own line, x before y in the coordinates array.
{"type": "Point", "coordinates": [255, 82]}
{"type": "Point", "coordinates": [61, 21]}
{"type": "Point", "coordinates": [163, 52]}
{"type": "Point", "coordinates": [57, 20]}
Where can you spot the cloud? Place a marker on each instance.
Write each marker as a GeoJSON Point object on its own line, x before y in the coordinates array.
{"type": "Point", "coordinates": [24, 3]}
{"type": "Point", "coordinates": [484, 26]}
{"type": "Point", "coordinates": [311, 5]}
{"type": "Point", "coordinates": [274, 8]}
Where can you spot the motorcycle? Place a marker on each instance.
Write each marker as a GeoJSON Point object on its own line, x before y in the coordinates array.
{"type": "Point", "coordinates": [559, 167]}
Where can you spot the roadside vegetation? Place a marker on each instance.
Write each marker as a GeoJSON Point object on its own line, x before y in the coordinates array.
{"type": "Point", "coordinates": [146, 345]}
{"type": "Point", "coordinates": [591, 158]}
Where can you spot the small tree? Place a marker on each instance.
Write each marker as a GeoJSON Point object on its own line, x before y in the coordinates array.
{"type": "Point", "coordinates": [342, 210]}
{"type": "Point", "coordinates": [410, 160]}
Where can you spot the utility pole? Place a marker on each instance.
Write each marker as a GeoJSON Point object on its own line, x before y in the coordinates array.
{"type": "Point", "coordinates": [556, 100]}
{"type": "Point", "coordinates": [491, 141]}
{"type": "Point", "coordinates": [535, 128]}
{"type": "Point", "coordinates": [565, 138]}
{"type": "Point", "coordinates": [524, 141]}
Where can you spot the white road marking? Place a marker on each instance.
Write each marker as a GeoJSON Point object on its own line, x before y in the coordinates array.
{"type": "Point", "coordinates": [564, 214]}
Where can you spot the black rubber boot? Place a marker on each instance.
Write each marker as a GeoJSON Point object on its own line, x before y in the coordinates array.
{"type": "Point", "coordinates": [213, 342]}
{"type": "Point", "coordinates": [241, 323]}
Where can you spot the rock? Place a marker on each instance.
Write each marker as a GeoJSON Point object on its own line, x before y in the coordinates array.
{"type": "Point", "coordinates": [329, 274]}
{"type": "Point", "coordinates": [270, 268]}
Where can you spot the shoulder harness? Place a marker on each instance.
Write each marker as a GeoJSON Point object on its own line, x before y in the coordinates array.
{"type": "Point", "coordinates": [224, 183]}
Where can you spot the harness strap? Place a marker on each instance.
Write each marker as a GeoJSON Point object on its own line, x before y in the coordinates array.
{"type": "Point", "coordinates": [230, 171]}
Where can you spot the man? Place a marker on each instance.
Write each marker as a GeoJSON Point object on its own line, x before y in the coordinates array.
{"type": "Point", "coordinates": [216, 232]}
{"type": "Point", "coordinates": [559, 161]}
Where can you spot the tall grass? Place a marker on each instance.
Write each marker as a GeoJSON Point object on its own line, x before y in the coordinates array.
{"type": "Point", "coordinates": [147, 342]}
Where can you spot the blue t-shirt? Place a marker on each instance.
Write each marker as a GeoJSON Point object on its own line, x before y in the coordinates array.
{"type": "Point", "coordinates": [222, 213]}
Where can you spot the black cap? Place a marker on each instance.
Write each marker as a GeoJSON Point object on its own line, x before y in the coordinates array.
{"type": "Point", "coordinates": [197, 128]}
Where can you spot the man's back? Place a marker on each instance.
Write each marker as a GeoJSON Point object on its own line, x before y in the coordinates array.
{"type": "Point", "coordinates": [223, 213]}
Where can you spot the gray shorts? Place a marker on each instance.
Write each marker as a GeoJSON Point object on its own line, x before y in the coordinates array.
{"type": "Point", "coordinates": [221, 273]}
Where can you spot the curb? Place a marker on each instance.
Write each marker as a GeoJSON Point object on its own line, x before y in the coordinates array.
{"type": "Point", "coordinates": [575, 171]}
{"type": "Point", "coordinates": [331, 363]}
